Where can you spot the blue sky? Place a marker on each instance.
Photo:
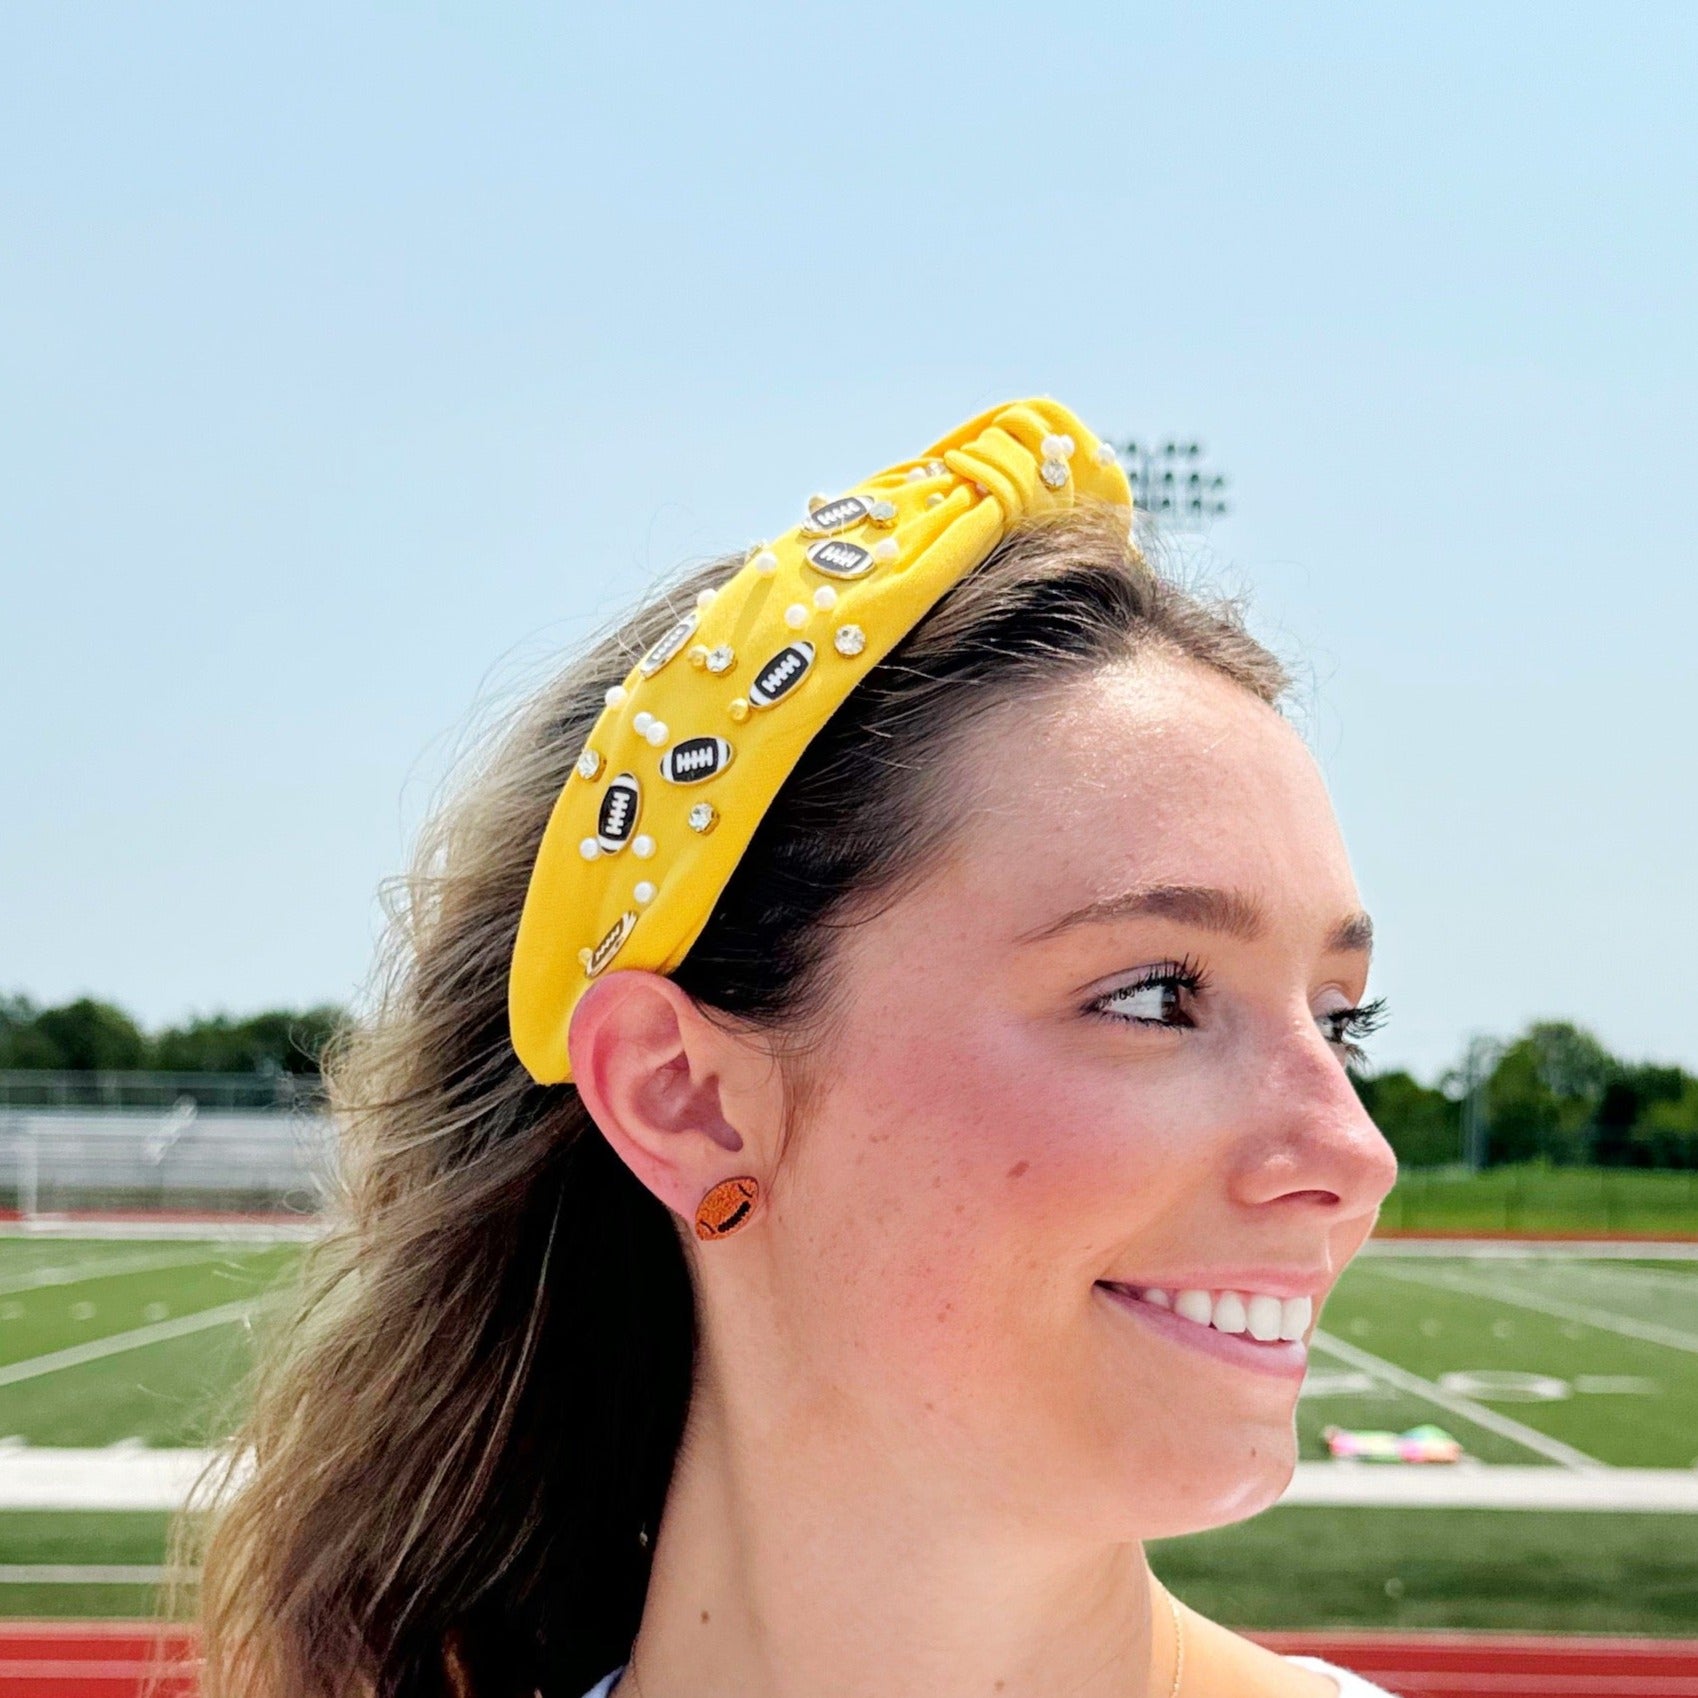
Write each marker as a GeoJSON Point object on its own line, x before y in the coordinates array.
{"type": "Point", "coordinates": [356, 359]}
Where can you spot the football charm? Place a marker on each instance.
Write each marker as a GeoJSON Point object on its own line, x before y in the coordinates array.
{"type": "Point", "coordinates": [781, 674]}
{"type": "Point", "coordinates": [694, 759]}
{"type": "Point", "coordinates": [618, 817]}
{"type": "Point", "coordinates": [839, 559]}
{"type": "Point", "coordinates": [843, 514]}
{"type": "Point", "coordinates": [610, 943]}
{"type": "Point", "coordinates": [668, 645]}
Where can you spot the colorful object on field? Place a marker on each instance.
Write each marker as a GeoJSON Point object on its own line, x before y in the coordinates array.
{"type": "Point", "coordinates": [1425, 1443]}
{"type": "Point", "coordinates": [693, 744]}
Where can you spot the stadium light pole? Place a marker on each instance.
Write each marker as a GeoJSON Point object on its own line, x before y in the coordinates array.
{"type": "Point", "coordinates": [1171, 483]}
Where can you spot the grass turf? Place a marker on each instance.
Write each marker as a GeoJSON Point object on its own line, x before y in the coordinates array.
{"type": "Point", "coordinates": [1538, 1199]}
{"type": "Point", "coordinates": [1305, 1566]}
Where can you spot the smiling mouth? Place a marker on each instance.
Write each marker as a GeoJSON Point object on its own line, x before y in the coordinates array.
{"type": "Point", "coordinates": [1277, 1357]}
{"type": "Point", "coordinates": [1258, 1315]}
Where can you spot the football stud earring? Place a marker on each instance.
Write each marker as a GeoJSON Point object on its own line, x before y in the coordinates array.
{"type": "Point", "coordinates": [727, 1207]}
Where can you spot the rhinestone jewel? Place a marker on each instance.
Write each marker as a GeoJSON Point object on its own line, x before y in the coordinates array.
{"type": "Point", "coordinates": [850, 640]}
{"type": "Point", "coordinates": [882, 512]}
{"type": "Point", "coordinates": [721, 659]}
{"type": "Point", "coordinates": [703, 817]}
{"type": "Point", "coordinates": [1054, 473]}
{"type": "Point", "coordinates": [589, 763]}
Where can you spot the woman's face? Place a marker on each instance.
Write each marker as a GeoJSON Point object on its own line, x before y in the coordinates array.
{"type": "Point", "coordinates": [1100, 1043]}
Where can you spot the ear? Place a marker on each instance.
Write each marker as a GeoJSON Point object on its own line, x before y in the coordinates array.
{"type": "Point", "coordinates": [665, 1085]}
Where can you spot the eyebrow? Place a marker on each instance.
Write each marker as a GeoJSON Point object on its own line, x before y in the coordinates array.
{"type": "Point", "coordinates": [1232, 913]}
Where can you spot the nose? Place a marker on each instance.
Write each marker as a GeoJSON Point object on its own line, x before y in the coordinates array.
{"type": "Point", "coordinates": [1315, 1135]}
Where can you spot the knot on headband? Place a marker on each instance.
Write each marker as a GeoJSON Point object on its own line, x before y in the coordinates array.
{"type": "Point", "coordinates": [693, 746]}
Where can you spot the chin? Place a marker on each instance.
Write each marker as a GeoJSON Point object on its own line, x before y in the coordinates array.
{"type": "Point", "coordinates": [1218, 1491]}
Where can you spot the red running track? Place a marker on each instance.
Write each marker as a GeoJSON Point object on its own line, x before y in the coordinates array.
{"type": "Point", "coordinates": [127, 1659]}
{"type": "Point", "coordinates": [1505, 1665]}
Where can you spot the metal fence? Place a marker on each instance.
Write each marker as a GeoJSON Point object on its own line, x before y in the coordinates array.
{"type": "Point", "coordinates": [276, 1090]}
{"type": "Point", "coordinates": [183, 1161]}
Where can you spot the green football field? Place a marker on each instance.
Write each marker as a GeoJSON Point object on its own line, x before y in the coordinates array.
{"type": "Point", "coordinates": [1537, 1360]}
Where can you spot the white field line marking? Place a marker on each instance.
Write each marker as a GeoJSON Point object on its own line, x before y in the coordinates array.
{"type": "Point", "coordinates": [226, 1314]}
{"type": "Point", "coordinates": [51, 1279]}
{"type": "Point", "coordinates": [1650, 1332]}
{"type": "Point", "coordinates": [90, 1574]}
{"type": "Point", "coordinates": [1529, 1249]}
{"type": "Point", "coordinates": [1527, 1437]}
{"type": "Point", "coordinates": [212, 1230]}
{"type": "Point", "coordinates": [1506, 1486]}
{"type": "Point", "coordinates": [1685, 1284]}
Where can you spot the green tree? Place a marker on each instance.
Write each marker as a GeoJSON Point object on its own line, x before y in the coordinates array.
{"type": "Point", "coordinates": [1666, 1134]}
{"type": "Point", "coordinates": [1544, 1094]}
{"type": "Point", "coordinates": [1421, 1123]}
{"type": "Point", "coordinates": [84, 1035]}
{"type": "Point", "coordinates": [279, 1040]}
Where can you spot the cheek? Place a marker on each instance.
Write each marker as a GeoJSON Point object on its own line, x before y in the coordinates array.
{"type": "Point", "coordinates": [990, 1176]}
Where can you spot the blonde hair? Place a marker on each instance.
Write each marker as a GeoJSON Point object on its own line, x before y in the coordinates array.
{"type": "Point", "coordinates": [462, 1434]}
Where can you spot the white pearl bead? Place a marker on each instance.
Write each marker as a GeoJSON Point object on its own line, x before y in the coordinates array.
{"type": "Point", "coordinates": [766, 563]}
{"type": "Point", "coordinates": [825, 597]}
{"type": "Point", "coordinates": [589, 848]}
{"type": "Point", "coordinates": [644, 892]}
{"type": "Point", "coordinates": [796, 616]}
{"type": "Point", "coordinates": [642, 846]}
{"type": "Point", "coordinates": [885, 548]}
{"type": "Point", "coordinates": [1106, 455]}
{"type": "Point", "coordinates": [935, 499]}
{"type": "Point", "coordinates": [617, 696]}
{"type": "Point", "coordinates": [1058, 447]}
{"type": "Point", "coordinates": [656, 733]}
{"type": "Point", "coordinates": [642, 721]}
{"type": "Point", "coordinates": [917, 474]}
{"type": "Point", "coordinates": [704, 599]}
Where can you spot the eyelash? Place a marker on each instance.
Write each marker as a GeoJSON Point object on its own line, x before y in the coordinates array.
{"type": "Point", "coordinates": [1186, 975]}
{"type": "Point", "coordinates": [1356, 1023]}
{"type": "Point", "coordinates": [1348, 1024]}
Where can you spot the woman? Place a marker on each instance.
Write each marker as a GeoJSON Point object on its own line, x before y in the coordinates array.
{"type": "Point", "coordinates": [852, 1141]}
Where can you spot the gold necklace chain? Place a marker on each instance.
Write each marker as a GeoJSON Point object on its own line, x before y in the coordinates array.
{"type": "Point", "coordinates": [1172, 1691]}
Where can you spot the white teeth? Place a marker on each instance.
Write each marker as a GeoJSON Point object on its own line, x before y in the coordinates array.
{"type": "Point", "coordinates": [1229, 1312]}
{"type": "Point", "coordinates": [1265, 1318]}
{"type": "Point", "coordinates": [1196, 1306]}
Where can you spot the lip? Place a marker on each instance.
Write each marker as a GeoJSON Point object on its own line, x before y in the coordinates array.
{"type": "Point", "coordinates": [1275, 1282]}
{"type": "Point", "coordinates": [1287, 1359]}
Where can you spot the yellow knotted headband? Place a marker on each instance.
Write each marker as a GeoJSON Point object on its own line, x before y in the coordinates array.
{"type": "Point", "coordinates": [692, 748]}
